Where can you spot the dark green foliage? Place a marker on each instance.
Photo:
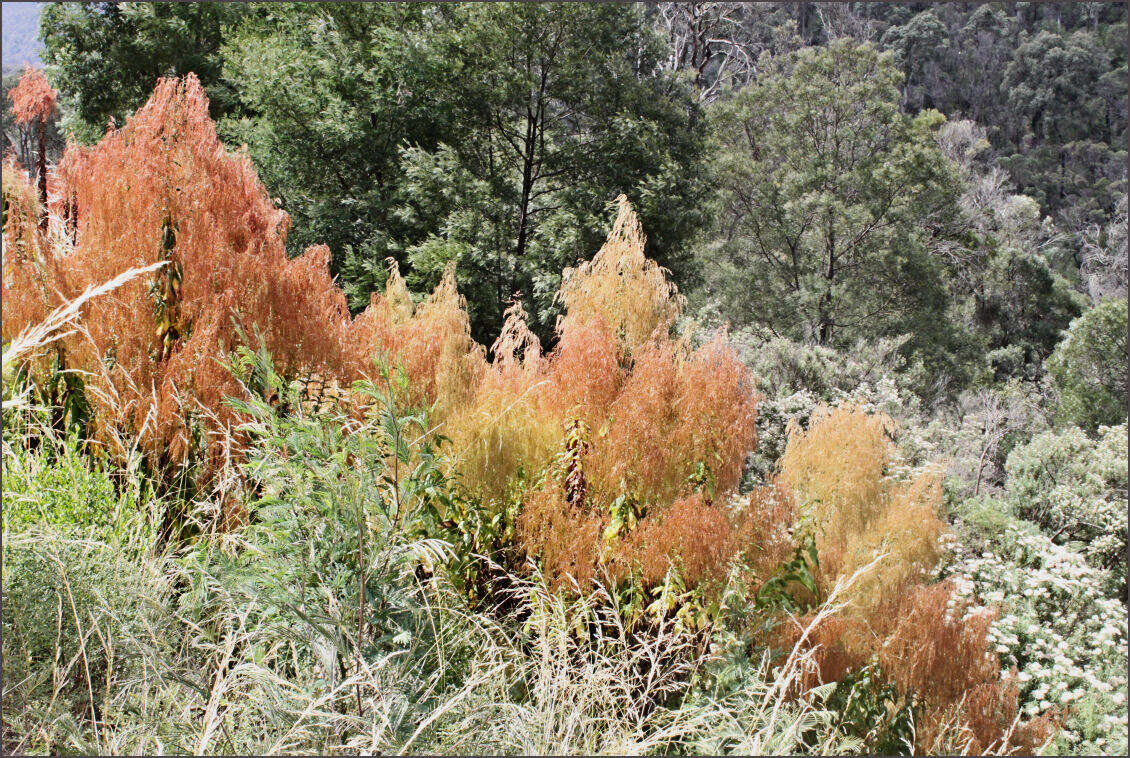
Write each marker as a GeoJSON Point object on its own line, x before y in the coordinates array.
{"type": "Point", "coordinates": [105, 58]}
{"type": "Point", "coordinates": [868, 707]}
{"type": "Point", "coordinates": [57, 593]}
{"type": "Point", "coordinates": [73, 531]}
{"type": "Point", "coordinates": [1088, 368]}
{"type": "Point", "coordinates": [489, 136]}
{"type": "Point", "coordinates": [1022, 309]}
{"type": "Point", "coordinates": [1048, 81]}
{"type": "Point", "coordinates": [1067, 102]}
{"type": "Point", "coordinates": [494, 135]}
{"type": "Point", "coordinates": [561, 107]}
{"type": "Point", "coordinates": [404, 130]}
{"type": "Point", "coordinates": [362, 82]}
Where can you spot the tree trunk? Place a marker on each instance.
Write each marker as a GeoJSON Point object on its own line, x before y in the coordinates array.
{"type": "Point", "coordinates": [802, 22]}
{"type": "Point", "coordinates": [824, 332]}
{"type": "Point", "coordinates": [42, 173]}
{"type": "Point", "coordinates": [527, 186]}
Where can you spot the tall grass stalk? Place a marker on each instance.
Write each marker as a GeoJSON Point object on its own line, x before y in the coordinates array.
{"type": "Point", "coordinates": [61, 322]}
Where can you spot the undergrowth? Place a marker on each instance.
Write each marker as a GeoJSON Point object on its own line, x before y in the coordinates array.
{"type": "Point", "coordinates": [239, 520]}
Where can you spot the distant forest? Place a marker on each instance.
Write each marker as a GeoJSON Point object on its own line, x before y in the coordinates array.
{"type": "Point", "coordinates": [21, 35]}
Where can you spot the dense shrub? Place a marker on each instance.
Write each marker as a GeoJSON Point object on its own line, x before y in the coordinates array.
{"type": "Point", "coordinates": [784, 366]}
{"type": "Point", "coordinates": [60, 593]}
{"type": "Point", "coordinates": [1089, 367]}
{"type": "Point", "coordinates": [1075, 488]}
{"type": "Point", "coordinates": [619, 422]}
{"type": "Point", "coordinates": [664, 426]}
{"type": "Point", "coordinates": [1056, 624]}
{"type": "Point", "coordinates": [68, 490]}
{"type": "Point", "coordinates": [940, 664]}
{"type": "Point", "coordinates": [162, 188]}
{"type": "Point", "coordinates": [72, 542]}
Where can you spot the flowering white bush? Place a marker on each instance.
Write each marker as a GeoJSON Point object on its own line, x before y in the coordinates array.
{"type": "Point", "coordinates": [1075, 488]}
{"type": "Point", "coordinates": [1058, 628]}
{"type": "Point", "coordinates": [773, 417]}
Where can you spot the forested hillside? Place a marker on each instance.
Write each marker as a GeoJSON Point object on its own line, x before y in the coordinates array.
{"type": "Point", "coordinates": [770, 395]}
{"type": "Point", "coordinates": [21, 35]}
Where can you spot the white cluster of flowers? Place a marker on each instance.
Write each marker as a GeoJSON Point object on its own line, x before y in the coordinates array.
{"type": "Point", "coordinates": [773, 417]}
{"type": "Point", "coordinates": [1057, 628]}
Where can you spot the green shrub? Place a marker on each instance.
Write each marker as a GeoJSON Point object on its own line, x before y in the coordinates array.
{"type": "Point", "coordinates": [290, 634]}
{"type": "Point", "coordinates": [60, 485]}
{"type": "Point", "coordinates": [67, 601]}
{"type": "Point", "coordinates": [1088, 368]}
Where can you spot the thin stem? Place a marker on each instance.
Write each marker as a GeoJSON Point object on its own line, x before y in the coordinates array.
{"type": "Point", "coordinates": [361, 592]}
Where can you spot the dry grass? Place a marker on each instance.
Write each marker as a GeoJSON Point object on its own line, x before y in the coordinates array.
{"type": "Point", "coordinates": [939, 660]}
{"type": "Point", "coordinates": [171, 681]}
{"type": "Point", "coordinates": [838, 469]}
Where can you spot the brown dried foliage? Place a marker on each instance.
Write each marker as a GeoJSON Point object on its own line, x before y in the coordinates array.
{"type": "Point", "coordinates": [766, 523]}
{"type": "Point", "coordinates": [938, 659]}
{"type": "Point", "coordinates": [621, 287]}
{"type": "Point", "coordinates": [33, 98]}
{"type": "Point", "coordinates": [692, 534]}
{"type": "Point", "coordinates": [655, 409]}
{"type": "Point", "coordinates": [942, 660]}
{"type": "Point", "coordinates": [28, 296]}
{"type": "Point", "coordinates": [431, 341]}
{"type": "Point", "coordinates": [164, 188]}
{"type": "Point", "coordinates": [940, 663]}
{"type": "Point", "coordinates": [658, 410]}
{"type": "Point", "coordinates": [837, 468]}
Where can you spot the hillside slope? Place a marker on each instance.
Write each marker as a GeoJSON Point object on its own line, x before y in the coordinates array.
{"type": "Point", "coordinates": [20, 41]}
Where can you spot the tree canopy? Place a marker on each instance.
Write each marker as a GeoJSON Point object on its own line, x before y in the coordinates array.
{"type": "Point", "coordinates": [106, 57]}
{"type": "Point", "coordinates": [788, 160]}
{"type": "Point", "coordinates": [833, 204]}
{"type": "Point", "coordinates": [490, 136]}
